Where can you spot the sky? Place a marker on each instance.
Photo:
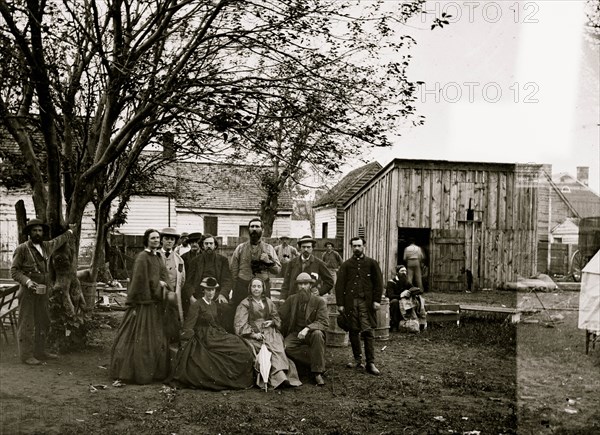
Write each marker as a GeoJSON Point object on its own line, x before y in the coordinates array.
{"type": "Point", "coordinates": [505, 81]}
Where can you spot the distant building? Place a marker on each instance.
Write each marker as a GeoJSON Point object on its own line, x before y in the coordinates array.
{"type": "Point", "coordinates": [329, 210]}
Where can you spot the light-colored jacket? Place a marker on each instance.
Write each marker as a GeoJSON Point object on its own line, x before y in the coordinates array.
{"type": "Point", "coordinates": [179, 281]}
{"type": "Point", "coordinates": [241, 261]}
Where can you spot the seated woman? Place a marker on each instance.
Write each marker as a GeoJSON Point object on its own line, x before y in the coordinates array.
{"type": "Point", "coordinates": [211, 358]}
{"type": "Point", "coordinates": [257, 320]}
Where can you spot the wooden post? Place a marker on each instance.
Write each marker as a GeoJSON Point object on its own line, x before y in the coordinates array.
{"type": "Point", "coordinates": [21, 220]}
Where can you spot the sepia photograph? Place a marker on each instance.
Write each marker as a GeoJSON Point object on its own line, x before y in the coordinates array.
{"type": "Point", "coordinates": [298, 217]}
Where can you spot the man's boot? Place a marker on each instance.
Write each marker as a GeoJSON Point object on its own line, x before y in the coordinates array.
{"type": "Point", "coordinates": [356, 352]}
{"type": "Point", "coordinates": [369, 339]}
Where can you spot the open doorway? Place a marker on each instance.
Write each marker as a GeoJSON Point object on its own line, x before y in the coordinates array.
{"type": "Point", "coordinates": [421, 237]}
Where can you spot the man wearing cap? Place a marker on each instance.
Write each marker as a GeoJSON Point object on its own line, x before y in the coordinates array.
{"type": "Point", "coordinates": [176, 271]}
{"type": "Point", "coordinates": [183, 245]}
{"type": "Point", "coordinates": [394, 289]}
{"type": "Point", "coordinates": [194, 241]}
{"type": "Point", "coordinates": [310, 264]}
{"type": "Point", "coordinates": [286, 253]}
{"type": "Point", "coordinates": [250, 259]}
{"type": "Point", "coordinates": [305, 319]}
{"type": "Point", "coordinates": [413, 257]}
{"type": "Point", "coordinates": [358, 293]}
{"type": "Point", "coordinates": [332, 259]}
{"type": "Point", "coordinates": [30, 269]}
{"type": "Point", "coordinates": [209, 264]}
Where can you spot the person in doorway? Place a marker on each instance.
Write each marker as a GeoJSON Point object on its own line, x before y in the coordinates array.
{"type": "Point", "coordinates": [305, 319]}
{"type": "Point", "coordinates": [413, 257]}
{"type": "Point", "coordinates": [30, 269]}
{"type": "Point", "coordinates": [310, 264]}
{"type": "Point", "coordinates": [358, 292]}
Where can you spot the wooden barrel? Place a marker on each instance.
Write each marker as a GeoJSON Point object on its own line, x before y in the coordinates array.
{"type": "Point", "coordinates": [334, 336]}
{"type": "Point", "coordinates": [382, 331]}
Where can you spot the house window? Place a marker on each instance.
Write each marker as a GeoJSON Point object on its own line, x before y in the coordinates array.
{"type": "Point", "coordinates": [211, 225]}
{"type": "Point", "coordinates": [324, 226]}
{"type": "Point", "coordinates": [565, 189]}
{"type": "Point", "coordinates": [244, 233]}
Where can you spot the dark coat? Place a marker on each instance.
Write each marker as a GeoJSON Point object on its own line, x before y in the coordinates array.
{"type": "Point", "coordinates": [195, 272]}
{"type": "Point", "coordinates": [316, 316]}
{"type": "Point", "coordinates": [294, 268]}
{"type": "Point", "coordinates": [358, 274]}
{"type": "Point", "coordinates": [396, 286]}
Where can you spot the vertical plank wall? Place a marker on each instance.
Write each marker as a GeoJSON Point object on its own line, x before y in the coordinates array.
{"type": "Point", "coordinates": [499, 245]}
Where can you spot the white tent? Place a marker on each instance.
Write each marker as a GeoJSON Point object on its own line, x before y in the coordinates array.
{"type": "Point", "coordinates": [589, 296]}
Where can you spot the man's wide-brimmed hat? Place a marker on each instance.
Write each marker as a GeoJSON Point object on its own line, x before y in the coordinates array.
{"type": "Point", "coordinates": [305, 239]}
{"type": "Point", "coordinates": [33, 223]}
{"type": "Point", "coordinates": [304, 277]}
{"type": "Point", "coordinates": [209, 282]}
{"type": "Point", "coordinates": [194, 237]}
{"type": "Point", "coordinates": [184, 234]}
{"type": "Point", "coordinates": [169, 232]}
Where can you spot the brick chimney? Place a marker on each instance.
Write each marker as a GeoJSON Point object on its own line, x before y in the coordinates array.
{"type": "Point", "coordinates": [583, 174]}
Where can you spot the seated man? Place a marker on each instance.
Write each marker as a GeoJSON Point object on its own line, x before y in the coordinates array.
{"type": "Point", "coordinates": [394, 289]}
{"type": "Point", "coordinates": [305, 319]}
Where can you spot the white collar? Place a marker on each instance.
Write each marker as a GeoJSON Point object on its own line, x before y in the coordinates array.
{"type": "Point", "coordinates": [207, 302]}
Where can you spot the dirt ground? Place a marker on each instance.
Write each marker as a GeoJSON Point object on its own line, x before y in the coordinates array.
{"type": "Point", "coordinates": [484, 377]}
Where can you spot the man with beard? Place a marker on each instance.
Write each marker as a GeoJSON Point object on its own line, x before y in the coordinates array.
{"type": "Point", "coordinates": [209, 264]}
{"type": "Point", "coordinates": [194, 241]}
{"type": "Point", "coordinates": [250, 259]}
{"type": "Point", "coordinates": [394, 290]}
{"type": "Point", "coordinates": [358, 292]}
{"type": "Point", "coordinates": [310, 264]}
{"type": "Point", "coordinates": [30, 269]}
{"type": "Point", "coordinates": [305, 319]}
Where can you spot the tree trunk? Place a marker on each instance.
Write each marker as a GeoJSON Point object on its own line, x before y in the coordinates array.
{"type": "Point", "coordinates": [21, 220]}
{"type": "Point", "coordinates": [268, 212]}
{"type": "Point", "coordinates": [99, 256]}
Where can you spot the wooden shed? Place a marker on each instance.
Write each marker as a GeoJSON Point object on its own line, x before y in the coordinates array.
{"type": "Point", "coordinates": [477, 219]}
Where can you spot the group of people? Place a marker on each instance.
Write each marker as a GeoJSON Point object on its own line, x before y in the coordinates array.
{"type": "Point", "coordinates": [197, 319]}
{"type": "Point", "coordinates": [201, 321]}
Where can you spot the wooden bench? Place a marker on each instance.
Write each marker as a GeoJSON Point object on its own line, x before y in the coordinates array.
{"type": "Point", "coordinates": [437, 313]}
{"type": "Point", "coordinates": [9, 305]}
{"type": "Point", "coordinates": [511, 313]}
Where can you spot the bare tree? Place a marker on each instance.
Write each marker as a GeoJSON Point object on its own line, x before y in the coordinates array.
{"type": "Point", "coordinates": [87, 86]}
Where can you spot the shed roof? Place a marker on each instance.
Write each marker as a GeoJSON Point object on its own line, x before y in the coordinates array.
{"type": "Point", "coordinates": [348, 185]}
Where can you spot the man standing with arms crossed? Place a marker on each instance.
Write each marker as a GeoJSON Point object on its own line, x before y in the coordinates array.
{"type": "Point", "coordinates": [358, 292]}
